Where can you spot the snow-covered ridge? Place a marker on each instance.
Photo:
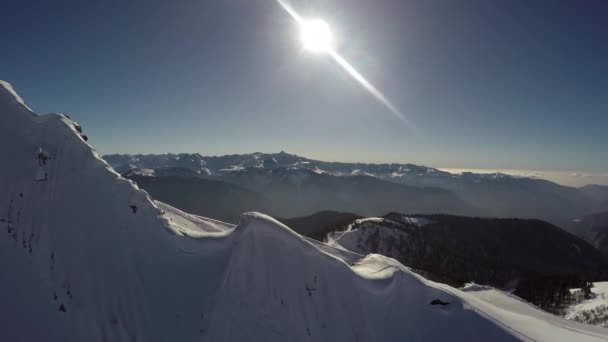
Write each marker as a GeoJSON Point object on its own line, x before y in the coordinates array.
{"type": "Point", "coordinates": [87, 256]}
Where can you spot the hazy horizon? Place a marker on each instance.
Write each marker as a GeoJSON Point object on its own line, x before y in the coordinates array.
{"type": "Point", "coordinates": [574, 178]}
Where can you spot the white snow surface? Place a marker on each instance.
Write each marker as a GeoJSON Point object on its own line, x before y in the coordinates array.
{"type": "Point", "coordinates": [141, 172]}
{"type": "Point", "coordinates": [517, 310]}
{"type": "Point", "coordinates": [594, 310]}
{"type": "Point", "coordinates": [87, 256]}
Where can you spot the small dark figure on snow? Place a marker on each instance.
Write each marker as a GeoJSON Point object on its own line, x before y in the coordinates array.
{"type": "Point", "coordinates": [587, 286]}
{"type": "Point", "coordinates": [43, 157]}
{"type": "Point", "coordinates": [438, 302]}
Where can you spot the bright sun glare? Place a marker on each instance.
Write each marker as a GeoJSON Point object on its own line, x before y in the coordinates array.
{"type": "Point", "coordinates": [316, 35]}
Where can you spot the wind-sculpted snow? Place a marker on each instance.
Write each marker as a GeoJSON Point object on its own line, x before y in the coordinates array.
{"type": "Point", "coordinates": [87, 256]}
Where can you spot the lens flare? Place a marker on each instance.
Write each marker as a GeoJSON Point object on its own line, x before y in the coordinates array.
{"type": "Point", "coordinates": [316, 36]}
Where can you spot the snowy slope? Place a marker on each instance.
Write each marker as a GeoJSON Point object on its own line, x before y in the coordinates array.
{"type": "Point", "coordinates": [594, 310]}
{"type": "Point", "coordinates": [515, 309]}
{"type": "Point", "coordinates": [86, 256]}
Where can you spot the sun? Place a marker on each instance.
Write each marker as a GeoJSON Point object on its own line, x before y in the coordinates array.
{"type": "Point", "coordinates": [316, 36]}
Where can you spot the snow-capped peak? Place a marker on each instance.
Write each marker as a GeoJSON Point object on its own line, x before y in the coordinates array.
{"type": "Point", "coordinates": [10, 99]}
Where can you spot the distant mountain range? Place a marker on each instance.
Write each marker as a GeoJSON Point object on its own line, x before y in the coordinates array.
{"type": "Point", "coordinates": [289, 185]}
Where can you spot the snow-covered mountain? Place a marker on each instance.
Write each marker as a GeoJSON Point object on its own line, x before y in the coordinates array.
{"type": "Point", "coordinates": [194, 162]}
{"type": "Point", "coordinates": [219, 165]}
{"type": "Point", "coordinates": [489, 195]}
{"type": "Point", "coordinates": [87, 256]}
{"type": "Point", "coordinates": [534, 259]}
{"type": "Point", "coordinates": [288, 192]}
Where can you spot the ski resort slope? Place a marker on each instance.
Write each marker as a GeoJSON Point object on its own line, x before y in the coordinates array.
{"type": "Point", "coordinates": [87, 256]}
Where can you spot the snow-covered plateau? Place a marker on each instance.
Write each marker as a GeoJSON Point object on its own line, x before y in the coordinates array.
{"type": "Point", "coordinates": [87, 256]}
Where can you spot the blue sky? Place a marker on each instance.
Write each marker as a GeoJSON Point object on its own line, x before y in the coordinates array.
{"type": "Point", "coordinates": [489, 84]}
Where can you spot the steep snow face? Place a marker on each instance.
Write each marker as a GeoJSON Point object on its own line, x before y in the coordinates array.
{"type": "Point", "coordinates": [87, 256]}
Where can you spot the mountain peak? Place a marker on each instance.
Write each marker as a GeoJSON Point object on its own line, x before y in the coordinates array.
{"type": "Point", "coordinates": [10, 99]}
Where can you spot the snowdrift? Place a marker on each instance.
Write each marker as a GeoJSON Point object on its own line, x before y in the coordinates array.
{"type": "Point", "coordinates": [87, 256]}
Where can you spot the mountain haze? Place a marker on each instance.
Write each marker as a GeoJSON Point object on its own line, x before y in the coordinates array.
{"type": "Point", "coordinates": [314, 186]}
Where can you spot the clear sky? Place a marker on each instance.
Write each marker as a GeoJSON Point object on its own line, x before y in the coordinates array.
{"type": "Point", "coordinates": [489, 84]}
